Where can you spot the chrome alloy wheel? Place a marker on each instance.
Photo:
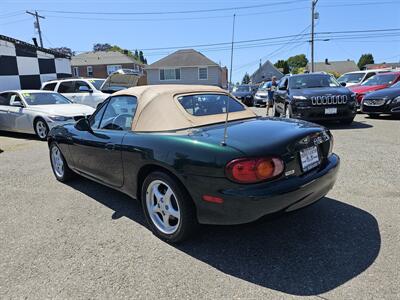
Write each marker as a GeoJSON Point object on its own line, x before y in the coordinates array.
{"type": "Point", "coordinates": [57, 161]}
{"type": "Point", "coordinates": [162, 206]}
{"type": "Point", "coordinates": [41, 129]}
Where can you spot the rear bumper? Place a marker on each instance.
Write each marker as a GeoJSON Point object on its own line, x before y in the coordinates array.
{"type": "Point", "coordinates": [247, 203]}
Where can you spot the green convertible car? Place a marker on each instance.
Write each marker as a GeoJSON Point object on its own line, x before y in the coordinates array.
{"type": "Point", "coordinates": [175, 148]}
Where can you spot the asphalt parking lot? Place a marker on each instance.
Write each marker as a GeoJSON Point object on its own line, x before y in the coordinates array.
{"type": "Point", "coordinates": [83, 240]}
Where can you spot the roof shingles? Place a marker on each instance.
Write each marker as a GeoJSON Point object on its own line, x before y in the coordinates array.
{"type": "Point", "coordinates": [102, 58]}
{"type": "Point", "coordinates": [183, 58]}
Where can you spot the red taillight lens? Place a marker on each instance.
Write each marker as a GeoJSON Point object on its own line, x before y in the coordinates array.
{"type": "Point", "coordinates": [252, 170]}
{"type": "Point", "coordinates": [359, 97]}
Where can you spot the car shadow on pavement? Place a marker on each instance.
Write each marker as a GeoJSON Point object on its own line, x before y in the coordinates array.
{"type": "Point", "coordinates": [353, 125]}
{"type": "Point", "coordinates": [385, 117]}
{"type": "Point", "coordinates": [307, 252]}
{"type": "Point", "coordinates": [121, 204]}
{"type": "Point", "coordinates": [16, 135]}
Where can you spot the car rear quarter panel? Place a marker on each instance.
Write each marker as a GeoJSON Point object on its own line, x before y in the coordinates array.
{"type": "Point", "coordinates": [181, 155]}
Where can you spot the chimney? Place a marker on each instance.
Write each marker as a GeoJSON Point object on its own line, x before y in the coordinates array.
{"type": "Point", "coordinates": [35, 42]}
{"type": "Point", "coordinates": [260, 63]}
{"type": "Point", "coordinates": [326, 61]}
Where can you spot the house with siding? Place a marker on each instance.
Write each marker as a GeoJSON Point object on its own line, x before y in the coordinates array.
{"type": "Point", "coordinates": [100, 64]}
{"type": "Point", "coordinates": [339, 67]}
{"type": "Point", "coordinates": [187, 66]}
{"type": "Point", "coordinates": [265, 72]}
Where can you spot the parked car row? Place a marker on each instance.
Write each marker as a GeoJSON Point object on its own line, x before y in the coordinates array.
{"type": "Point", "coordinates": [377, 91]}
{"type": "Point", "coordinates": [59, 101]}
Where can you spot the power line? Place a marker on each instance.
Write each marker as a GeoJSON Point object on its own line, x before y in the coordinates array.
{"type": "Point", "coordinates": [176, 12]}
{"type": "Point", "coordinates": [325, 33]}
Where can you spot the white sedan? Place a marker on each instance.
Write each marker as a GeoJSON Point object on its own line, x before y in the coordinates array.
{"type": "Point", "coordinates": [35, 111]}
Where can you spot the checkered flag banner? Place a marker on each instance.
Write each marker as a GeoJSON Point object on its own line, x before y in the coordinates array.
{"type": "Point", "coordinates": [24, 66]}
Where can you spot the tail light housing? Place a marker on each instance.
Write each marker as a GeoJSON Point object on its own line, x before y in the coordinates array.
{"type": "Point", "coordinates": [253, 170]}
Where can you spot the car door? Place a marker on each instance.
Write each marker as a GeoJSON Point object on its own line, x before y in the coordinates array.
{"type": "Point", "coordinates": [17, 117]}
{"type": "Point", "coordinates": [98, 153]}
{"type": "Point", "coordinates": [280, 95]}
{"type": "Point", "coordinates": [4, 104]}
{"type": "Point", "coordinates": [67, 89]}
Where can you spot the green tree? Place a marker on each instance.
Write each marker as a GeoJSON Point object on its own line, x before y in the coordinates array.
{"type": "Point", "coordinates": [246, 79]}
{"type": "Point", "coordinates": [101, 47]}
{"type": "Point", "coordinates": [296, 62]}
{"type": "Point", "coordinates": [64, 50]}
{"type": "Point", "coordinates": [137, 55]}
{"type": "Point", "coordinates": [141, 57]}
{"type": "Point", "coordinates": [282, 65]}
{"type": "Point", "coordinates": [365, 59]}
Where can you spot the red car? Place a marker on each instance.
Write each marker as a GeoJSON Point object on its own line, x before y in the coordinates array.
{"type": "Point", "coordinates": [377, 82]}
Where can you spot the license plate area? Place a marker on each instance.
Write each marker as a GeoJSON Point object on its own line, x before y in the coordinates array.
{"type": "Point", "coordinates": [331, 111]}
{"type": "Point", "coordinates": [309, 158]}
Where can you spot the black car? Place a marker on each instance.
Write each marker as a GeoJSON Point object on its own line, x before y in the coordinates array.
{"type": "Point", "coordinates": [314, 97]}
{"type": "Point", "coordinates": [245, 93]}
{"type": "Point", "coordinates": [386, 101]}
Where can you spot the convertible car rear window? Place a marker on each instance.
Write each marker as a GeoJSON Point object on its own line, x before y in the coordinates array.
{"type": "Point", "coordinates": [209, 104]}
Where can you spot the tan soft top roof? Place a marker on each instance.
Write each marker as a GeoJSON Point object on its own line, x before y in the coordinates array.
{"type": "Point", "coordinates": [159, 110]}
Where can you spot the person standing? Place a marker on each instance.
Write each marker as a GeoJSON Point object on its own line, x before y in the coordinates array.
{"type": "Point", "coordinates": [271, 88]}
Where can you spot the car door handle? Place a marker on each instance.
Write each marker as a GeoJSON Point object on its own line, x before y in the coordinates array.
{"type": "Point", "coordinates": [110, 147]}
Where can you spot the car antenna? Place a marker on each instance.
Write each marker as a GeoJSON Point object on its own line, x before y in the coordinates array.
{"type": "Point", "coordinates": [223, 143]}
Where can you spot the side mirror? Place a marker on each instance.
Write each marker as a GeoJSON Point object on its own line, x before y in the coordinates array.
{"type": "Point", "coordinates": [17, 103]}
{"type": "Point", "coordinates": [343, 83]}
{"type": "Point", "coordinates": [84, 88]}
{"type": "Point", "coordinates": [83, 125]}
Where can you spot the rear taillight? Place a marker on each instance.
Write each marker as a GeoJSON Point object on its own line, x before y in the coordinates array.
{"type": "Point", "coordinates": [252, 170]}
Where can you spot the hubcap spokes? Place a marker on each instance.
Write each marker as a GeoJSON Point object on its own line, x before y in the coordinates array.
{"type": "Point", "coordinates": [41, 129]}
{"type": "Point", "coordinates": [58, 164]}
{"type": "Point", "coordinates": [163, 207]}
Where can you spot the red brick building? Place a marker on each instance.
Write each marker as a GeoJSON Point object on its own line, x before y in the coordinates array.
{"type": "Point", "coordinates": [101, 64]}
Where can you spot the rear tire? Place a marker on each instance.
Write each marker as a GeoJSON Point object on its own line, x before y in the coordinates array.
{"type": "Point", "coordinates": [41, 129]}
{"type": "Point", "coordinates": [169, 209]}
{"type": "Point", "coordinates": [59, 165]}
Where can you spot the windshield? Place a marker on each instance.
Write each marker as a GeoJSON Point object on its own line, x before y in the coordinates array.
{"type": "Point", "coordinates": [396, 85]}
{"type": "Point", "coordinates": [380, 80]}
{"type": "Point", "coordinates": [209, 104]}
{"type": "Point", "coordinates": [351, 77]}
{"type": "Point", "coordinates": [312, 81]}
{"type": "Point", "coordinates": [242, 88]}
{"type": "Point", "coordinates": [97, 83]}
{"type": "Point", "coordinates": [45, 98]}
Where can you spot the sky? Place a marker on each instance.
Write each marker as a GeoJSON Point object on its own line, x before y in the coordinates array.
{"type": "Point", "coordinates": [280, 24]}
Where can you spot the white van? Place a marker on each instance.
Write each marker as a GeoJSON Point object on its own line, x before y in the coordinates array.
{"type": "Point", "coordinates": [358, 77]}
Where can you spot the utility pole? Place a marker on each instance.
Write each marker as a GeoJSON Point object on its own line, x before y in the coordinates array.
{"type": "Point", "coordinates": [313, 4]}
{"type": "Point", "coordinates": [37, 25]}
